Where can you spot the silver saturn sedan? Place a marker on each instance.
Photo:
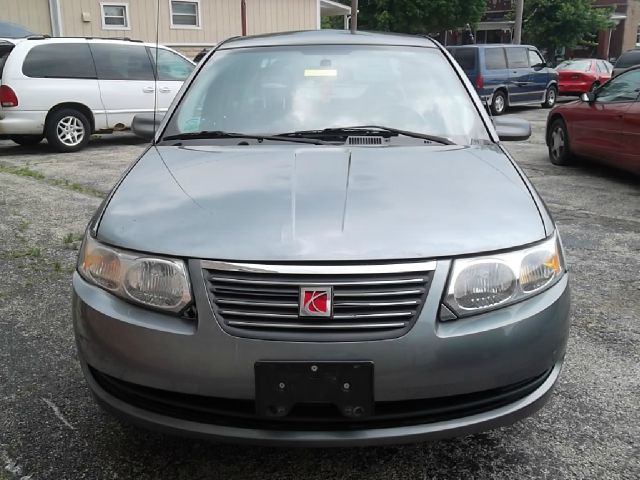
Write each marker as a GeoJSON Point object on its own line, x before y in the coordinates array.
{"type": "Point", "coordinates": [326, 244]}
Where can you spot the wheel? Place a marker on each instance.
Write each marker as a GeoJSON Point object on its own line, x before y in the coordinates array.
{"type": "Point", "coordinates": [550, 97]}
{"type": "Point", "coordinates": [27, 140]}
{"type": "Point", "coordinates": [499, 103]}
{"type": "Point", "coordinates": [559, 151]}
{"type": "Point", "coordinates": [68, 130]}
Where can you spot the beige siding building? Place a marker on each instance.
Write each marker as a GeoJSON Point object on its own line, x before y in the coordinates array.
{"type": "Point", "coordinates": [187, 25]}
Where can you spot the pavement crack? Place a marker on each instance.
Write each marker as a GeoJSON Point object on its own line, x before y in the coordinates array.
{"type": "Point", "coordinates": [58, 413]}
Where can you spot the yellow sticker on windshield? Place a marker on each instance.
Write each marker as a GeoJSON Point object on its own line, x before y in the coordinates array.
{"type": "Point", "coordinates": [320, 73]}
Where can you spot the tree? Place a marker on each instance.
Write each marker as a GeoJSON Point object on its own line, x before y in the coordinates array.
{"type": "Point", "coordinates": [418, 16]}
{"type": "Point", "coordinates": [552, 24]}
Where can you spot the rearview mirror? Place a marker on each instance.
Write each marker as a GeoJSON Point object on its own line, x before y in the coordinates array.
{"type": "Point", "coordinates": [145, 125]}
{"type": "Point", "coordinates": [588, 97]}
{"type": "Point", "coordinates": [511, 129]}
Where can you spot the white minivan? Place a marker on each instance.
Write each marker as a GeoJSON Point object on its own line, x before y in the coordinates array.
{"type": "Point", "coordinates": [65, 89]}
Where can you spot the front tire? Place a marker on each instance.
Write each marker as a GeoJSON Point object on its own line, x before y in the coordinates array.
{"type": "Point", "coordinates": [68, 130]}
{"type": "Point", "coordinates": [499, 103]}
{"type": "Point", "coordinates": [550, 97]}
{"type": "Point", "coordinates": [27, 140]}
{"type": "Point", "coordinates": [559, 150]}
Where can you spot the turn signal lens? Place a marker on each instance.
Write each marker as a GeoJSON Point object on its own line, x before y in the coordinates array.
{"type": "Point", "coordinates": [103, 267]}
{"type": "Point", "coordinates": [538, 269]}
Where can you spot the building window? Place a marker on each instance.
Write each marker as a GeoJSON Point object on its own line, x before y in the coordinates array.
{"type": "Point", "coordinates": [115, 16]}
{"type": "Point", "coordinates": [185, 14]}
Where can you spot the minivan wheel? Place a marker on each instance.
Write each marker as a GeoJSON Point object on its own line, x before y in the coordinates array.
{"type": "Point", "coordinates": [27, 140]}
{"type": "Point", "coordinates": [499, 103]}
{"type": "Point", "coordinates": [68, 130]}
{"type": "Point", "coordinates": [559, 152]}
{"type": "Point", "coordinates": [550, 97]}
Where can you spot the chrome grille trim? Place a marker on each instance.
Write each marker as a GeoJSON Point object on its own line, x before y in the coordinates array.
{"type": "Point", "coordinates": [426, 266]}
{"type": "Point", "coordinates": [370, 302]}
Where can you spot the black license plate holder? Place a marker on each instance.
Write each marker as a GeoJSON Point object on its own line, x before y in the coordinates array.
{"type": "Point", "coordinates": [282, 385]}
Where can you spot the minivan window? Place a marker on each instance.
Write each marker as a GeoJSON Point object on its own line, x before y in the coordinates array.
{"type": "Point", "coordinates": [171, 66]}
{"type": "Point", "coordinates": [5, 49]}
{"type": "Point", "coordinates": [275, 90]}
{"type": "Point", "coordinates": [122, 62]}
{"type": "Point", "coordinates": [466, 57]}
{"type": "Point", "coordinates": [534, 58]}
{"type": "Point", "coordinates": [494, 59]}
{"type": "Point", "coordinates": [59, 60]}
{"type": "Point", "coordinates": [517, 57]}
{"type": "Point", "coordinates": [628, 59]}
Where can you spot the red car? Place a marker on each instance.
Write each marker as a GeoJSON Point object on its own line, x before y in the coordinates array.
{"type": "Point", "coordinates": [603, 125]}
{"type": "Point", "coordinates": [583, 75]}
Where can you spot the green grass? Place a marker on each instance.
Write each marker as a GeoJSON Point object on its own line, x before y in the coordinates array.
{"type": "Point", "coordinates": [57, 267]}
{"type": "Point", "coordinates": [72, 237]}
{"type": "Point", "coordinates": [23, 225]}
{"type": "Point", "coordinates": [30, 252]}
{"type": "Point", "coordinates": [56, 182]}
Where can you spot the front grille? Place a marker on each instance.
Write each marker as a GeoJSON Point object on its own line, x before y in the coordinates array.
{"type": "Point", "coordinates": [370, 302]}
{"type": "Point", "coordinates": [240, 413]}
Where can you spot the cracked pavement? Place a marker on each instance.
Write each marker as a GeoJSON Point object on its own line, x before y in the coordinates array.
{"type": "Point", "coordinates": [51, 429]}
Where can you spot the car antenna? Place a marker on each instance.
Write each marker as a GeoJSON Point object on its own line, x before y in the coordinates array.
{"type": "Point", "coordinates": [155, 72]}
{"type": "Point", "coordinates": [354, 16]}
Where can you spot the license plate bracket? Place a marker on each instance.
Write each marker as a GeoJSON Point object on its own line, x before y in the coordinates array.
{"type": "Point", "coordinates": [282, 385]}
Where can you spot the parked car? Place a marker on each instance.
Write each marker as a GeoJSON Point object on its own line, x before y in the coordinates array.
{"type": "Point", "coordinates": [508, 75]}
{"type": "Point", "coordinates": [12, 30]}
{"type": "Point", "coordinates": [328, 245]}
{"type": "Point", "coordinates": [627, 60]}
{"type": "Point", "coordinates": [583, 75]}
{"type": "Point", "coordinates": [603, 126]}
{"type": "Point", "coordinates": [65, 89]}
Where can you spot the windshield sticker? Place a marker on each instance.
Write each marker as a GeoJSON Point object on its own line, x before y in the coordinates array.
{"type": "Point", "coordinates": [320, 73]}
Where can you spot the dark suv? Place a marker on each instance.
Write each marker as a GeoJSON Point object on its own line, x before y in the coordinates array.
{"type": "Point", "coordinates": [508, 75]}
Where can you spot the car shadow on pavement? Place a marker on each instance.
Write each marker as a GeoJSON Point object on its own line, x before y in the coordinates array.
{"type": "Point", "coordinates": [99, 142]}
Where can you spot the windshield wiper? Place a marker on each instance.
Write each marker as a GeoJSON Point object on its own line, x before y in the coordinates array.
{"type": "Point", "coordinates": [212, 134]}
{"type": "Point", "coordinates": [366, 130]}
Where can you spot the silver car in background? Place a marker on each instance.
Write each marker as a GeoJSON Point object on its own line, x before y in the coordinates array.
{"type": "Point", "coordinates": [326, 245]}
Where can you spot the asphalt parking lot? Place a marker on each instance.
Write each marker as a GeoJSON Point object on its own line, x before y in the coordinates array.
{"type": "Point", "coordinates": [51, 429]}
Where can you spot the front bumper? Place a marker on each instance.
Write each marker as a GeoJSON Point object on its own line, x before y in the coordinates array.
{"type": "Point", "coordinates": [433, 361]}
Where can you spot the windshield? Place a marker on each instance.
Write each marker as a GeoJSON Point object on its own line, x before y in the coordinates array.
{"type": "Point", "coordinates": [276, 90]}
{"type": "Point", "coordinates": [575, 65]}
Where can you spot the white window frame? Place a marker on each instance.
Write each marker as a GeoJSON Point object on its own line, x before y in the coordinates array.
{"type": "Point", "coordinates": [185, 27]}
{"type": "Point", "coordinates": [127, 25]}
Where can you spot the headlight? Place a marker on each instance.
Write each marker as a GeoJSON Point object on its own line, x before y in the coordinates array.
{"type": "Point", "coordinates": [161, 283]}
{"type": "Point", "coordinates": [492, 281]}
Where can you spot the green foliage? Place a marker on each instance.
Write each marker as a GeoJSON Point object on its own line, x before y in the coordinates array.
{"type": "Point", "coordinates": [552, 24]}
{"type": "Point", "coordinates": [417, 16]}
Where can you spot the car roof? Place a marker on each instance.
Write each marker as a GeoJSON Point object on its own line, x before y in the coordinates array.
{"type": "Point", "coordinates": [490, 45]}
{"type": "Point", "coordinates": [328, 37]}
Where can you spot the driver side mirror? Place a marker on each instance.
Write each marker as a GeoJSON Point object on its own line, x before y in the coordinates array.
{"type": "Point", "coordinates": [589, 97]}
{"type": "Point", "coordinates": [145, 125]}
{"type": "Point", "coordinates": [540, 66]}
{"type": "Point", "coordinates": [511, 129]}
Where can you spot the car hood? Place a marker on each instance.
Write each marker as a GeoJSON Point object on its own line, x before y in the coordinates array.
{"type": "Point", "coordinates": [291, 203]}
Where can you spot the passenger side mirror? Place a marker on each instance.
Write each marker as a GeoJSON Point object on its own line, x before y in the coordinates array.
{"type": "Point", "coordinates": [145, 125]}
{"type": "Point", "coordinates": [511, 129]}
{"type": "Point", "coordinates": [589, 97]}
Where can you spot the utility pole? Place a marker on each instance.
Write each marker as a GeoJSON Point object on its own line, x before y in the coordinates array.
{"type": "Point", "coordinates": [517, 33]}
{"type": "Point", "coordinates": [354, 16]}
